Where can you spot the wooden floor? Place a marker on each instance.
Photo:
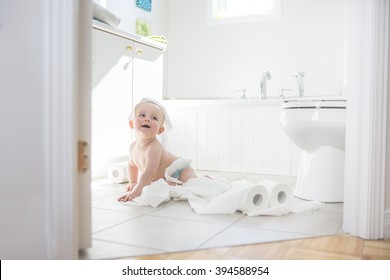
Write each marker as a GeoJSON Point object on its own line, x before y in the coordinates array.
{"type": "Point", "coordinates": [335, 247]}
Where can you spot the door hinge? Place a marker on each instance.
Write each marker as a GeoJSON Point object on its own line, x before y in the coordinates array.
{"type": "Point", "coordinates": [83, 157]}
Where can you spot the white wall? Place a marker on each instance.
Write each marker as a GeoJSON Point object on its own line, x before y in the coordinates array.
{"type": "Point", "coordinates": [215, 61]}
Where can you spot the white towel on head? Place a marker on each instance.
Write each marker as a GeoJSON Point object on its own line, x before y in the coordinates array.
{"type": "Point", "coordinates": [167, 120]}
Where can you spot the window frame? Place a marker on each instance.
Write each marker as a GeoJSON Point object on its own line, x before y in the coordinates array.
{"type": "Point", "coordinates": [274, 14]}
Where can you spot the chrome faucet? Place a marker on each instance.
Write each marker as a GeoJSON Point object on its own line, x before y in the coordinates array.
{"type": "Point", "coordinates": [299, 76]}
{"type": "Point", "coordinates": [263, 84]}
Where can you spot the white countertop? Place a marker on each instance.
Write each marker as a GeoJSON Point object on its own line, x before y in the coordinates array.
{"type": "Point", "coordinates": [272, 101]}
{"type": "Point", "coordinates": [140, 39]}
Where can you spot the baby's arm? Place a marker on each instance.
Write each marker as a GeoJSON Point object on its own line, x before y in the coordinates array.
{"type": "Point", "coordinates": [133, 175]}
{"type": "Point", "coordinates": [153, 157]}
{"type": "Point", "coordinates": [132, 169]}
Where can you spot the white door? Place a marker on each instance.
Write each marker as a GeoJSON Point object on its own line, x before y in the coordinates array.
{"type": "Point", "coordinates": [83, 192]}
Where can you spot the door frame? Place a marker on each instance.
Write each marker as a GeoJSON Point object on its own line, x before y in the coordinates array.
{"type": "Point", "coordinates": [67, 107]}
{"type": "Point", "coordinates": [367, 156]}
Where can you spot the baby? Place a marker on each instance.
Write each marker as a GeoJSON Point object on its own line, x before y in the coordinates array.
{"type": "Point", "coordinates": [149, 161]}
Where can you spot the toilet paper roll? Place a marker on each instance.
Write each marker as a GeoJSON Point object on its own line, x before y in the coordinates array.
{"type": "Point", "coordinates": [243, 196]}
{"type": "Point", "coordinates": [279, 193]}
{"type": "Point", "coordinates": [254, 198]}
{"type": "Point", "coordinates": [117, 172]}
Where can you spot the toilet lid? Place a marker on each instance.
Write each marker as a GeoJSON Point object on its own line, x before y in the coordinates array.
{"type": "Point", "coordinates": [315, 102]}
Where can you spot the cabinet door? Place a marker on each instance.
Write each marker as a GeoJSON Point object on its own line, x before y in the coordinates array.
{"type": "Point", "coordinates": [148, 72]}
{"type": "Point", "coordinates": [111, 100]}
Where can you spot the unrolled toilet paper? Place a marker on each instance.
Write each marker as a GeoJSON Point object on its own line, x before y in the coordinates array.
{"type": "Point", "coordinates": [242, 196]}
{"type": "Point", "coordinates": [215, 196]}
{"type": "Point", "coordinates": [279, 193]}
{"type": "Point", "coordinates": [117, 172]}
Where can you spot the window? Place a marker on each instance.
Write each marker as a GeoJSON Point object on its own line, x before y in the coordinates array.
{"type": "Point", "coordinates": [234, 11]}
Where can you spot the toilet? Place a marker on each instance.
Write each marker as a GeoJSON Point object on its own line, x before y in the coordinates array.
{"type": "Point", "coordinates": [317, 126]}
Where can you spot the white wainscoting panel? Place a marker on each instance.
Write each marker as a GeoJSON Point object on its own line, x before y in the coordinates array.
{"type": "Point", "coordinates": [231, 136]}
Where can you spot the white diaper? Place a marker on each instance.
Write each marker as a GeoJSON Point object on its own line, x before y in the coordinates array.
{"type": "Point", "coordinates": [172, 172]}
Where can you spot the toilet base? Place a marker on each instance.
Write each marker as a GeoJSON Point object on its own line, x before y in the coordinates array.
{"type": "Point", "coordinates": [321, 175]}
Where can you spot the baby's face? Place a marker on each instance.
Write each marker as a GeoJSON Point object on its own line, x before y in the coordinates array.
{"type": "Point", "coordinates": [149, 119]}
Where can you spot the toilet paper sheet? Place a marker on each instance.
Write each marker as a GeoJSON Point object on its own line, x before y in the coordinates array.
{"type": "Point", "coordinates": [219, 196]}
{"type": "Point", "coordinates": [202, 189]}
{"type": "Point", "coordinates": [117, 172]}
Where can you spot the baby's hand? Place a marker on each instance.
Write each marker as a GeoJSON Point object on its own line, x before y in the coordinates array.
{"type": "Point", "coordinates": [129, 196]}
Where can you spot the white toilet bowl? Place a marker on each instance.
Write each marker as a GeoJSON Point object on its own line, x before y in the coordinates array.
{"type": "Point", "coordinates": [317, 126]}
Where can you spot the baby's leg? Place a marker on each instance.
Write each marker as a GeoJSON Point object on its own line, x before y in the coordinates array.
{"type": "Point", "coordinates": [186, 174]}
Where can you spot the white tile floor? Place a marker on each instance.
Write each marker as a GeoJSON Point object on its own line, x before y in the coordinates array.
{"type": "Point", "coordinates": [120, 231]}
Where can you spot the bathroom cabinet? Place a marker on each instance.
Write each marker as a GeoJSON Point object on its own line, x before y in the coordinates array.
{"type": "Point", "coordinates": [124, 69]}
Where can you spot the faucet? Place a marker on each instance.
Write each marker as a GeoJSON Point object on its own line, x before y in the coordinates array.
{"type": "Point", "coordinates": [263, 84]}
{"type": "Point", "coordinates": [299, 76]}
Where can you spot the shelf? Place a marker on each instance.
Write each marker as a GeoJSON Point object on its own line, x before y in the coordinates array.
{"type": "Point", "coordinates": [136, 38]}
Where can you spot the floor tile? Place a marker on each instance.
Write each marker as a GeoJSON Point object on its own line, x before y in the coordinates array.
{"type": "Point", "coordinates": [182, 210]}
{"type": "Point", "coordinates": [161, 233]}
{"type": "Point", "coordinates": [122, 231]}
{"type": "Point", "coordinates": [323, 221]}
{"type": "Point", "coordinates": [103, 219]}
{"type": "Point", "coordinates": [105, 184]}
{"type": "Point", "coordinates": [235, 235]}
{"type": "Point", "coordinates": [104, 188]}
{"type": "Point", "coordinates": [101, 193]}
{"type": "Point", "coordinates": [110, 250]}
{"type": "Point", "coordinates": [113, 204]}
